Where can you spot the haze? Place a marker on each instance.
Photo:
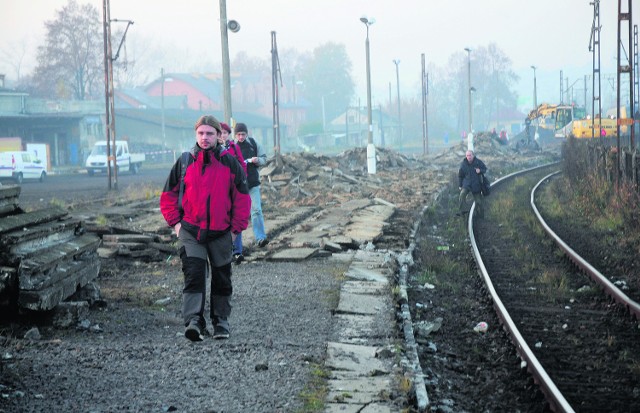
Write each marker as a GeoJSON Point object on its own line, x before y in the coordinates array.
{"type": "Point", "coordinates": [553, 35]}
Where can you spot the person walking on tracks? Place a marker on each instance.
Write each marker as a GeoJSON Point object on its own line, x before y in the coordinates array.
{"type": "Point", "coordinates": [469, 181]}
{"type": "Point", "coordinates": [255, 158]}
{"type": "Point", "coordinates": [206, 201]}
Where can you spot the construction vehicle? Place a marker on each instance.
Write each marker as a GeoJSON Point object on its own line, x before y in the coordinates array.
{"type": "Point", "coordinates": [548, 120]}
{"type": "Point", "coordinates": [607, 126]}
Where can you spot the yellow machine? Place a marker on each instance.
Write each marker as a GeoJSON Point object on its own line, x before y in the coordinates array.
{"type": "Point", "coordinates": [585, 128]}
{"type": "Point", "coordinates": [554, 120]}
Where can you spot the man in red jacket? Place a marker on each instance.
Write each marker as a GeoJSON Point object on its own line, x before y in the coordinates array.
{"type": "Point", "coordinates": [207, 204]}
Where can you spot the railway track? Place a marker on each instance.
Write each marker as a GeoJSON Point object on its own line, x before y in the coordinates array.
{"type": "Point", "coordinates": [581, 346]}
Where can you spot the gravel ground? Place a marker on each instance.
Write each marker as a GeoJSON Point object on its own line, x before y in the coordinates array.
{"type": "Point", "coordinates": [134, 357]}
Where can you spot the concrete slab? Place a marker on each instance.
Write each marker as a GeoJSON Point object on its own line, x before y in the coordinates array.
{"type": "Point", "coordinates": [363, 329]}
{"type": "Point", "coordinates": [294, 254]}
{"type": "Point", "coordinates": [366, 274]}
{"type": "Point", "coordinates": [358, 408]}
{"type": "Point", "coordinates": [350, 357]}
{"type": "Point", "coordinates": [343, 408]}
{"type": "Point", "coordinates": [365, 287]}
{"type": "Point", "coordinates": [373, 387]}
{"type": "Point", "coordinates": [362, 304]}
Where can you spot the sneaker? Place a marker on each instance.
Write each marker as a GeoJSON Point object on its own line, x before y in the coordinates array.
{"type": "Point", "coordinates": [192, 332]}
{"type": "Point", "coordinates": [238, 258]}
{"type": "Point", "coordinates": [263, 242]}
{"type": "Point", "coordinates": [220, 332]}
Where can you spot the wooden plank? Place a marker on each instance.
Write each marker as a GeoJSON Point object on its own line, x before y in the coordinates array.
{"type": "Point", "coordinates": [47, 298]}
{"type": "Point", "coordinates": [127, 238]}
{"type": "Point", "coordinates": [19, 221]}
{"type": "Point", "coordinates": [46, 260]}
{"type": "Point", "coordinates": [39, 236]}
{"type": "Point", "coordinates": [51, 276]}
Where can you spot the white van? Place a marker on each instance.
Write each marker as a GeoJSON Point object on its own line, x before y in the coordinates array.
{"type": "Point", "coordinates": [21, 165]}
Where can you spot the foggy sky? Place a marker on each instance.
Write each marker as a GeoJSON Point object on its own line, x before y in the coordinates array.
{"type": "Point", "coordinates": [553, 35]}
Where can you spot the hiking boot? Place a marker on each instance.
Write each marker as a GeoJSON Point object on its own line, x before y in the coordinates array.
{"type": "Point", "coordinates": [263, 242]}
{"type": "Point", "coordinates": [193, 332]}
{"type": "Point", "coordinates": [238, 258]}
{"type": "Point", "coordinates": [220, 332]}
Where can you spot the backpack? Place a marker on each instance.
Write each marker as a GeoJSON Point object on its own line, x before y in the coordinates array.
{"type": "Point", "coordinates": [485, 185]}
{"type": "Point", "coordinates": [253, 144]}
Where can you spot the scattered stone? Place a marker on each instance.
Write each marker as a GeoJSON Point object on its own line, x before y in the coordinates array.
{"type": "Point", "coordinates": [33, 334]}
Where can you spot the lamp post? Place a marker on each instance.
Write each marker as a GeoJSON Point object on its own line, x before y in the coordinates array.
{"type": "Point", "coordinates": [164, 136]}
{"type": "Point", "coordinates": [226, 71]}
{"type": "Point", "coordinates": [397, 63]}
{"type": "Point", "coordinates": [371, 149]}
{"type": "Point", "coordinates": [324, 118]}
{"type": "Point", "coordinates": [469, 87]}
{"type": "Point", "coordinates": [535, 89]}
{"type": "Point", "coordinates": [470, 136]}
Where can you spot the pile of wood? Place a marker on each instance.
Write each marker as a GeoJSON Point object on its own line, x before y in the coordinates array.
{"type": "Point", "coordinates": [45, 255]}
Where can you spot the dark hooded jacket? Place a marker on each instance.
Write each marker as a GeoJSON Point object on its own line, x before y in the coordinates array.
{"type": "Point", "coordinates": [467, 176]}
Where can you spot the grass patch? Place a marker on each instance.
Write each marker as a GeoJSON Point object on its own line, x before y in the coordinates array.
{"type": "Point", "coordinates": [315, 393]}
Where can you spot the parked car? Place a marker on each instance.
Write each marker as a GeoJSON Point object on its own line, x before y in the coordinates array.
{"type": "Point", "coordinates": [21, 165]}
{"type": "Point", "coordinates": [125, 160]}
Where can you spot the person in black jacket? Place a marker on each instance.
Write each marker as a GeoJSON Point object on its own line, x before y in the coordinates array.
{"type": "Point", "coordinates": [255, 158]}
{"type": "Point", "coordinates": [469, 174]}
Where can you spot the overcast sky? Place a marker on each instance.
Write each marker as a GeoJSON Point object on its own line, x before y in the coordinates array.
{"type": "Point", "coordinates": [553, 35]}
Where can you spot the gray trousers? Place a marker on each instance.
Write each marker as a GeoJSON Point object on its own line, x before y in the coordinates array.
{"type": "Point", "coordinates": [478, 199]}
{"type": "Point", "coordinates": [194, 256]}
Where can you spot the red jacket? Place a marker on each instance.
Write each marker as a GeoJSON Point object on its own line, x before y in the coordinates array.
{"type": "Point", "coordinates": [215, 199]}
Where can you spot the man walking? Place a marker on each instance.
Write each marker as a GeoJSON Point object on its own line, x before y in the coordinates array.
{"type": "Point", "coordinates": [471, 169]}
{"type": "Point", "coordinates": [206, 201]}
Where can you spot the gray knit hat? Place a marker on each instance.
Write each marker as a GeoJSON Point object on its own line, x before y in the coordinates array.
{"type": "Point", "coordinates": [240, 127]}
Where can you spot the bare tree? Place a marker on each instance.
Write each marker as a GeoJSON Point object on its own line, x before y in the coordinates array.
{"type": "Point", "coordinates": [70, 62]}
{"type": "Point", "coordinates": [14, 57]}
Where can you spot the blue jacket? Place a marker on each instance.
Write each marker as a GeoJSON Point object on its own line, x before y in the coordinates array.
{"type": "Point", "coordinates": [468, 177]}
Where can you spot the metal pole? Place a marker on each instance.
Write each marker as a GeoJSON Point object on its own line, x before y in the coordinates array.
{"type": "Point", "coordinates": [397, 63]}
{"type": "Point", "coordinates": [107, 59]}
{"type": "Point", "coordinates": [226, 76]}
{"type": "Point", "coordinates": [469, 87]}
{"type": "Point", "coordinates": [324, 122]}
{"type": "Point", "coordinates": [371, 150]}
{"type": "Point", "coordinates": [164, 136]}
{"type": "Point", "coordinates": [535, 89]}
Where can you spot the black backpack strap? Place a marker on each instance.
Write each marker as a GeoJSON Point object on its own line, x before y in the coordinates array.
{"type": "Point", "coordinates": [253, 144]}
{"type": "Point", "coordinates": [185, 161]}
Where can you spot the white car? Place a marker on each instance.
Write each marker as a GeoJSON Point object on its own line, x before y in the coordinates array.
{"type": "Point", "coordinates": [21, 165]}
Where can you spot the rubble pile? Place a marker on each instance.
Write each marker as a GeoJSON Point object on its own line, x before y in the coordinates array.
{"type": "Point", "coordinates": [307, 187]}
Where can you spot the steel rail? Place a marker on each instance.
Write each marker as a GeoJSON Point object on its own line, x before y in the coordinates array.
{"type": "Point", "coordinates": [553, 395]}
{"type": "Point", "coordinates": [592, 272]}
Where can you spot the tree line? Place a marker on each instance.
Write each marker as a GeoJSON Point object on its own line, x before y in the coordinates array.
{"type": "Point", "coordinates": [70, 66]}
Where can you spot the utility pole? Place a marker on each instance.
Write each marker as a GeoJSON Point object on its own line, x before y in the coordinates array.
{"type": "Point", "coordinates": [397, 63]}
{"type": "Point", "coordinates": [226, 75]}
{"type": "Point", "coordinates": [469, 87]}
{"type": "Point", "coordinates": [425, 92]}
{"type": "Point", "coordinates": [371, 149]}
{"type": "Point", "coordinates": [164, 136]}
{"type": "Point", "coordinates": [110, 117]}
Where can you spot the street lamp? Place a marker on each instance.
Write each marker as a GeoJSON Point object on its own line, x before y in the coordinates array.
{"type": "Point", "coordinates": [469, 85]}
{"type": "Point", "coordinates": [470, 136]}
{"type": "Point", "coordinates": [324, 119]}
{"type": "Point", "coordinates": [371, 149]}
{"type": "Point", "coordinates": [397, 63]}
{"type": "Point", "coordinates": [535, 89]}
{"type": "Point", "coordinates": [226, 71]}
